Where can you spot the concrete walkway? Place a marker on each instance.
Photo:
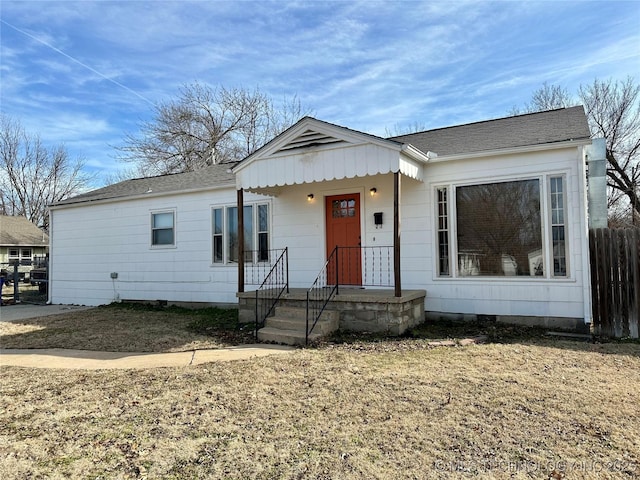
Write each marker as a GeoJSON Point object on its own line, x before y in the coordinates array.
{"type": "Point", "coordinates": [89, 360]}
{"type": "Point", "coordinates": [23, 311]}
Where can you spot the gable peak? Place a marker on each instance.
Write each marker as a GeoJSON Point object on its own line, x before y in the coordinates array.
{"type": "Point", "coordinates": [310, 137]}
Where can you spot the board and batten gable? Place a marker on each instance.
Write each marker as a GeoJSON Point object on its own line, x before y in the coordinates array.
{"type": "Point", "coordinates": [521, 296]}
{"type": "Point", "coordinates": [93, 242]}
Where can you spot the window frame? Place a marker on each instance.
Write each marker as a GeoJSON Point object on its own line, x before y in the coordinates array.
{"type": "Point", "coordinates": [565, 225]}
{"type": "Point", "coordinates": [22, 255]}
{"type": "Point", "coordinates": [217, 235]}
{"type": "Point", "coordinates": [256, 233]}
{"type": "Point", "coordinates": [152, 229]}
{"type": "Point", "coordinates": [546, 229]}
{"type": "Point", "coordinates": [446, 231]}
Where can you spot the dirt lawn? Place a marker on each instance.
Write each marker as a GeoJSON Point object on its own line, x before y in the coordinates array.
{"type": "Point", "coordinates": [129, 328]}
{"type": "Point", "coordinates": [529, 407]}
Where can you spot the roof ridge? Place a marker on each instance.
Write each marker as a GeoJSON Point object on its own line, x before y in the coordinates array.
{"type": "Point", "coordinates": [486, 121]}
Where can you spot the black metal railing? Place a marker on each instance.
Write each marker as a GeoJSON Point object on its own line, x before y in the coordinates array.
{"type": "Point", "coordinates": [271, 289]}
{"type": "Point", "coordinates": [324, 287]}
{"type": "Point", "coordinates": [349, 266]}
{"type": "Point", "coordinates": [258, 264]}
{"type": "Point", "coordinates": [365, 266]}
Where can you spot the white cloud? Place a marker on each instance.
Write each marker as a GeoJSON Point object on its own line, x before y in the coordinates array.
{"type": "Point", "coordinates": [366, 65]}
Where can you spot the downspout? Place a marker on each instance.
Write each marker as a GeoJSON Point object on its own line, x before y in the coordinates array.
{"type": "Point", "coordinates": [593, 209]}
{"type": "Point", "coordinates": [596, 159]}
{"type": "Point", "coordinates": [50, 261]}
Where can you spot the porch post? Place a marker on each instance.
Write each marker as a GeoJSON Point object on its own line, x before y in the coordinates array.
{"type": "Point", "coordinates": [240, 241]}
{"type": "Point", "coordinates": [396, 234]}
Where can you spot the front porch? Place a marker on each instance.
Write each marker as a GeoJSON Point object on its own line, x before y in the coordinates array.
{"type": "Point", "coordinates": [330, 189]}
{"type": "Point", "coordinates": [358, 309]}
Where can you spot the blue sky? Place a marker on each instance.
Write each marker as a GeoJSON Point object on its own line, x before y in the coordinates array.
{"type": "Point", "coordinates": [85, 74]}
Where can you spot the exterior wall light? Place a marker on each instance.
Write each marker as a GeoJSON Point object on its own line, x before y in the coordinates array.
{"type": "Point", "coordinates": [373, 191]}
{"type": "Point", "coordinates": [310, 197]}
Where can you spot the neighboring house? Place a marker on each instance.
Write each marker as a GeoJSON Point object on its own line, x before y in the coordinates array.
{"type": "Point", "coordinates": [21, 242]}
{"type": "Point", "coordinates": [489, 218]}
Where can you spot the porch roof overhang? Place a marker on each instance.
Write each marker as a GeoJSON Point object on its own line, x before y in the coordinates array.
{"type": "Point", "coordinates": [316, 151]}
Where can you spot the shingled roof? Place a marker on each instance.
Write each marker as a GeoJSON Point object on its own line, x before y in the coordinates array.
{"type": "Point", "coordinates": [20, 232]}
{"type": "Point", "coordinates": [532, 129]}
{"type": "Point", "coordinates": [539, 128]}
{"type": "Point", "coordinates": [210, 177]}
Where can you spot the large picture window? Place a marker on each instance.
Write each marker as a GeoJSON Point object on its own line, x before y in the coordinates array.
{"type": "Point", "coordinates": [497, 229]}
{"type": "Point", "coordinates": [225, 233]}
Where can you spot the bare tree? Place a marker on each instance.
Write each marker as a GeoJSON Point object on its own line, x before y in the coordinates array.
{"type": "Point", "coordinates": [547, 97]}
{"type": "Point", "coordinates": [205, 126]}
{"type": "Point", "coordinates": [613, 112]}
{"type": "Point", "coordinates": [121, 175]}
{"type": "Point", "coordinates": [33, 176]}
{"type": "Point", "coordinates": [398, 130]}
{"type": "Point", "coordinates": [613, 109]}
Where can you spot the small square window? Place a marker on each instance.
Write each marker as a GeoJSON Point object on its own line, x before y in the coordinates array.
{"type": "Point", "coordinates": [162, 229]}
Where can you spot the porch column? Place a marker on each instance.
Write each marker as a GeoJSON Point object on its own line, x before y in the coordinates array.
{"type": "Point", "coordinates": [240, 241]}
{"type": "Point", "coordinates": [396, 234]}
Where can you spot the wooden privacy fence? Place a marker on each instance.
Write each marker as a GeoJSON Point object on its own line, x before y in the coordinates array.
{"type": "Point", "coordinates": [615, 281]}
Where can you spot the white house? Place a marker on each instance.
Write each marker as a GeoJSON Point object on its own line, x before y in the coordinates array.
{"type": "Point", "coordinates": [488, 218]}
{"type": "Point", "coordinates": [22, 243]}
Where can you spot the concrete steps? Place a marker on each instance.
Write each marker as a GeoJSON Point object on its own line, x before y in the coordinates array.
{"type": "Point", "coordinates": [287, 326]}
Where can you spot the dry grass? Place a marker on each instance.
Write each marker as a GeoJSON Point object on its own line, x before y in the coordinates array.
{"type": "Point", "coordinates": [28, 293]}
{"type": "Point", "coordinates": [128, 328]}
{"type": "Point", "coordinates": [530, 407]}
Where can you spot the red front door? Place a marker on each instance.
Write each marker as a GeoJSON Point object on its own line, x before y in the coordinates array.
{"type": "Point", "coordinates": [343, 230]}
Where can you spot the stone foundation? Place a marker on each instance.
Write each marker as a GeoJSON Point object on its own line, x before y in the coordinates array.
{"type": "Point", "coordinates": [552, 323]}
{"type": "Point", "coordinates": [360, 310]}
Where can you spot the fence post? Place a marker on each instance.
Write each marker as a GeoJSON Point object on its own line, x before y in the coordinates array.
{"type": "Point", "coordinates": [595, 291]}
{"type": "Point", "coordinates": [16, 283]}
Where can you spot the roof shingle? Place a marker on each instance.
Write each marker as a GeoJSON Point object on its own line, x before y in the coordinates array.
{"type": "Point", "coordinates": [212, 176]}
{"type": "Point", "coordinates": [18, 231]}
{"type": "Point", "coordinates": [510, 132]}
{"type": "Point", "coordinates": [520, 131]}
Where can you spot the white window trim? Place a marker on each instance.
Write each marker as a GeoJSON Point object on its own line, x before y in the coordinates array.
{"type": "Point", "coordinates": [567, 231]}
{"type": "Point", "coordinates": [225, 243]}
{"type": "Point", "coordinates": [175, 229]}
{"type": "Point", "coordinates": [20, 257]}
{"type": "Point", "coordinates": [436, 226]}
{"type": "Point", "coordinates": [546, 230]}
